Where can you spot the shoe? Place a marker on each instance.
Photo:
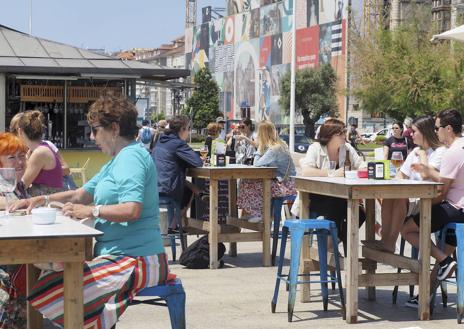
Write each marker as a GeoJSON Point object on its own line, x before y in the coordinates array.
{"type": "Point", "coordinates": [255, 219]}
{"type": "Point", "coordinates": [447, 269]}
{"type": "Point", "coordinates": [413, 302]}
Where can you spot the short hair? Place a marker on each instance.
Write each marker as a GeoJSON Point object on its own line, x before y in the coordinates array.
{"type": "Point", "coordinates": [176, 124]}
{"type": "Point", "coordinates": [329, 129]}
{"type": "Point", "coordinates": [108, 109]}
{"type": "Point", "coordinates": [248, 122]}
{"type": "Point", "coordinates": [11, 144]}
{"type": "Point", "coordinates": [213, 129]}
{"type": "Point", "coordinates": [451, 117]}
{"type": "Point", "coordinates": [162, 124]}
{"type": "Point", "coordinates": [426, 126]}
{"type": "Point", "coordinates": [145, 123]}
{"type": "Point", "coordinates": [32, 124]}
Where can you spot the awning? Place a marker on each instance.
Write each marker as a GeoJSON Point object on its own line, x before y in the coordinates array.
{"type": "Point", "coordinates": [454, 34]}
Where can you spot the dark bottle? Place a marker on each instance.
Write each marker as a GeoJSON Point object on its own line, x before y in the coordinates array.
{"type": "Point", "coordinates": [347, 166]}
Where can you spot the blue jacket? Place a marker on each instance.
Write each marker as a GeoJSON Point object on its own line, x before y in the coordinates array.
{"type": "Point", "coordinates": [172, 157]}
{"type": "Point", "coordinates": [277, 156]}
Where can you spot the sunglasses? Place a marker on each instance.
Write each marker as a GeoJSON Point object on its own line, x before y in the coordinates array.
{"type": "Point", "coordinates": [395, 128]}
{"type": "Point", "coordinates": [438, 128]}
{"type": "Point", "coordinates": [241, 127]}
{"type": "Point", "coordinates": [94, 129]}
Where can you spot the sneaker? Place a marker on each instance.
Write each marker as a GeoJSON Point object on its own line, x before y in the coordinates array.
{"type": "Point", "coordinates": [447, 269]}
{"type": "Point", "coordinates": [256, 219]}
{"type": "Point", "coordinates": [413, 302]}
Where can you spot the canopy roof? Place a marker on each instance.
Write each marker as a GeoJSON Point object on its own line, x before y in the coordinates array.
{"type": "Point", "coordinates": [21, 53]}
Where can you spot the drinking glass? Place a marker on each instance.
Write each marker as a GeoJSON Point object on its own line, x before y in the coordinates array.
{"type": "Point", "coordinates": [204, 152]}
{"type": "Point", "coordinates": [7, 184]}
{"type": "Point", "coordinates": [397, 160]}
{"type": "Point", "coordinates": [332, 168]}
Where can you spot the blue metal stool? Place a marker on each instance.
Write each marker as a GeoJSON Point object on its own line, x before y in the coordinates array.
{"type": "Point", "coordinates": [297, 229]}
{"type": "Point", "coordinates": [174, 296]}
{"type": "Point", "coordinates": [174, 213]}
{"type": "Point", "coordinates": [459, 278]}
{"type": "Point", "coordinates": [276, 211]}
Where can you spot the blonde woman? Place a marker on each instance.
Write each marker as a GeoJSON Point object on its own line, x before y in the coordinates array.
{"type": "Point", "coordinates": [272, 152]}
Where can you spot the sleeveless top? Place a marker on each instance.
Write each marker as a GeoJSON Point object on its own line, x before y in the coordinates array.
{"type": "Point", "coordinates": [52, 177]}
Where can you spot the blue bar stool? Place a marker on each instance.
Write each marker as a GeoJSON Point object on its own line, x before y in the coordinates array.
{"type": "Point", "coordinates": [174, 213]}
{"type": "Point", "coordinates": [297, 229]}
{"type": "Point", "coordinates": [459, 278]}
{"type": "Point", "coordinates": [174, 296]}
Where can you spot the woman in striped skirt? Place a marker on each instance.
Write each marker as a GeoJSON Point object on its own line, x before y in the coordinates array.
{"type": "Point", "coordinates": [129, 256]}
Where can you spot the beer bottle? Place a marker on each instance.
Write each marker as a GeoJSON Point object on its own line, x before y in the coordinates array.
{"type": "Point", "coordinates": [347, 166]}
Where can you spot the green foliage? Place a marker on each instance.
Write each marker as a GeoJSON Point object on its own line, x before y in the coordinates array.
{"type": "Point", "coordinates": [155, 117]}
{"type": "Point", "coordinates": [203, 105]}
{"type": "Point", "coordinates": [315, 94]}
{"type": "Point", "coordinates": [401, 73]}
{"type": "Point", "coordinates": [380, 139]}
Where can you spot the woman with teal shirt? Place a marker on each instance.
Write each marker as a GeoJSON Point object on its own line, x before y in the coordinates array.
{"type": "Point", "coordinates": [130, 254]}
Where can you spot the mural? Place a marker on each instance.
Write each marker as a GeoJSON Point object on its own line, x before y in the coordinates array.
{"type": "Point", "coordinates": [249, 51]}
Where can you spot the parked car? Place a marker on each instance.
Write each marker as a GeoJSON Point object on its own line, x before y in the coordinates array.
{"type": "Point", "coordinates": [301, 142]}
{"type": "Point", "coordinates": [370, 137]}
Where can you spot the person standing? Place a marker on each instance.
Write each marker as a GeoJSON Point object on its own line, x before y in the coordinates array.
{"type": "Point", "coordinates": [396, 142]}
{"type": "Point", "coordinates": [146, 134]}
{"type": "Point", "coordinates": [222, 133]}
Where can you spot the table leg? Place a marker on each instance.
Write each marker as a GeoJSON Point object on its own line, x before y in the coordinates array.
{"type": "Point", "coordinates": [351, 281]}
{"type": "Point", "coordinates": [73, 295]}
{"type": "Point", "coordinates": [34, 317]}
{"type": "Point", "coordinates": [213, 224]}
{"type": "Point", "coordinates": [305, 254]}
{"type": "Point", "coordinates": [233, 212]}
{"type": "Point", "coordinates": [370, 235]}
{"type": "Point", "coordinates": [267, 196]}
{"type": "Point", "coordinates": [424, 259]}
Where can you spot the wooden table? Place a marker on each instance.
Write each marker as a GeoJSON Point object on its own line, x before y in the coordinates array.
{"type": "Point", "coordinates": [217, 233]}
{"type": "Point", "coordinates": [68, 241]}
{"type": "Point", "coordinates": [354, 190]}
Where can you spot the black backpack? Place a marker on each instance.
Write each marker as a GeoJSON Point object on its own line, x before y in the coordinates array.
{"type": "Point", "coordinates": [197, 254]}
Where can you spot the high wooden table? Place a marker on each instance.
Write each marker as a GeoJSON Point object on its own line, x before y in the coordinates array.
{"type": "Point", "coordinates": [217, 233]}
{"type": "Point", "coordinates": [68, 241]}
{"type": "Point", "coordinates": [354, 190]}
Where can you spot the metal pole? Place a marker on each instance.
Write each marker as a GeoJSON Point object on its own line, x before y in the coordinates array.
{"type": "Point", "coordinates": [30, 17]}
{"type": "Point", "coordinates": [291, 135]}
{"type": "Point", "coordinates": [65, 102]}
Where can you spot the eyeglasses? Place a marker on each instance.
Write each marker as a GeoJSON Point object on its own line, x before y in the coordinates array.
{"type": "Point", "coordinates": [94, 129]}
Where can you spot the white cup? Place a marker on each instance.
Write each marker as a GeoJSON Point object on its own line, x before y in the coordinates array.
{"type": "Point", "coordinates": [43, 215]}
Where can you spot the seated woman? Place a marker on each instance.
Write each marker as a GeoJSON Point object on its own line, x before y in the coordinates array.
{"type": "Point", "coordinates": [13, 277]}
{"type": "Point", "coordinates": [213, 130]}
{"type": "Point", "coordinates": [429, 151]}
{"type": "Point", "coordinates": [172, 157]}
{"type": "Point", "coordinates": [272, 152]}
{"type": "Point", "coordinates": [44, 171]}
{"type": "Point", "coordinates": [332, 146]}
{"type": "Point", "coordinates": [245, 144]}
{"type": "Point", "coordinates": [129, 255]}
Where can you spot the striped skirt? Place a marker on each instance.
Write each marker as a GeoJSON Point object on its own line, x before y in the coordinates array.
{"type": "Point", "coordinates": [110, 284]}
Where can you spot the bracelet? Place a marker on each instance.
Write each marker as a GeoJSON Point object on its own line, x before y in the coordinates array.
{"type": "Point", "coordinates": [47, 200]}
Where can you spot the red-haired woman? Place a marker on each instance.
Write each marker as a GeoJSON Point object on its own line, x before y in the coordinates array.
{"type": "Point", "coordinates": [13, 277]}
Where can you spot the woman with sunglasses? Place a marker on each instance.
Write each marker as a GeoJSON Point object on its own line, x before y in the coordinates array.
{"type": "Point", "coordinates": [245, 145]}
{"type": "Point", "coordinates": [331, 147]}
{"type": "Point", "coordinates": [429, 152]}
{"type": "Point", "coordinates": [396, 142]}
{"type": "Point", "coordinates": [13, 277]}
{"type": "Point", "coordinates": [44, 173]}
{"type": "Point", "coordinates": [123, 200]}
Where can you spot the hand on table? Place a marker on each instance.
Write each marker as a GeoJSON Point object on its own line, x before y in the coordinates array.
{"type": "Point", "coordinates": [29, 204]}
{"type": "Point", "coordinates": [77, 211]}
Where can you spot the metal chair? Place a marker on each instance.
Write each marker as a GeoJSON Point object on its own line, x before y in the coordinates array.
{"type": "Point", "coordinates": [82, 171]}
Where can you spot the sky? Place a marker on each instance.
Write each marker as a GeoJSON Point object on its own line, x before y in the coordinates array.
{"type": "Point", "coordinates": [109, 24]}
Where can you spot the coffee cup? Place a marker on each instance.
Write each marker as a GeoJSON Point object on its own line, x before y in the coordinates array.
{"type": "Point", "coordinates": [43, 215]}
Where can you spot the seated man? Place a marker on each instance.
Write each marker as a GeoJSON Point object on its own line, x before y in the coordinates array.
{"type": "Point", "coordinates": [447, 207]}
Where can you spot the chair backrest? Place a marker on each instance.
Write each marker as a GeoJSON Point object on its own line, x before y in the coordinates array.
{"type": "Point", "coordinates": [86, 163]}
{"type": "Point", "coordinates": [296, 157]}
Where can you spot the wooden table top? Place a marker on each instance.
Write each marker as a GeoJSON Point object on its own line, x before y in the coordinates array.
{"type": "Point", "coordinates": [22, 227]}
{"type": "Point", "coordinates": [233, 171]}
{"type": "Point", "coordinates": [367, 182]}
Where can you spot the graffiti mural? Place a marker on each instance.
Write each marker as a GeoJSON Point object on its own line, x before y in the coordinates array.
{"type": "Point", "coordinates": [249, 50]}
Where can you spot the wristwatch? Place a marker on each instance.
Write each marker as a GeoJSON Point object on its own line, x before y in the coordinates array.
{"type": "Point", "coordinates": [96, 211]}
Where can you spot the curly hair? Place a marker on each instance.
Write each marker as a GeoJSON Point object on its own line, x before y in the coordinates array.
{"type": "Point", "coordinates": [11, 144]}
{"type": "Point", "coordinates": [108, 109]}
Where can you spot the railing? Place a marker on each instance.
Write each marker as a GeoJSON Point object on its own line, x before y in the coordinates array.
{"type": "Point", "coordinates": [33, 93]}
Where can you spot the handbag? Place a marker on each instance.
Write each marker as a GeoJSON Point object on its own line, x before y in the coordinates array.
{"type": "Point", "coordinates": [285, 187]}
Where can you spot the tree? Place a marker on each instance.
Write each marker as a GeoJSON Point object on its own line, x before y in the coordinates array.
{"type": "Point", "coordinates": [203, 105]}
{"type": "Point", "coordinates": [315, 94]}
{"type": "Point", "coordinates": [401, 73]}
{"type": "Point", "coordinates": [155, 117]}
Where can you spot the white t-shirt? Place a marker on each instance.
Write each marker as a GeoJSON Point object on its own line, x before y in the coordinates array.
{"type": "Point", "coordinates": [452, 167]}
{"type": "Point", "coordinates": [434, 158]}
